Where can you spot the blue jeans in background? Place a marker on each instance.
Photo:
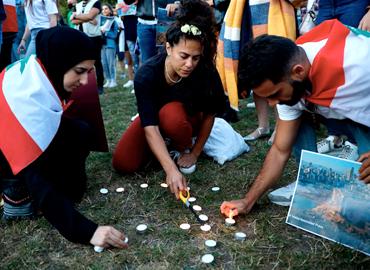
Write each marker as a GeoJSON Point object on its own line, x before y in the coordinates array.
{"type": "Point", "coordinates": [147, 40]}
{"type": "Point", "coordinates": [306, 137]}
{"type": "Point", "coordinates": [31, 49]}
{"type": "Point", "coordinates": [108, 59]}
{"type": "Point", "coordinates": [134, 56]}
{"type": "Point", "coordinates": [349, 12]}
{"type": "Point", "coordinates": [21, 18]}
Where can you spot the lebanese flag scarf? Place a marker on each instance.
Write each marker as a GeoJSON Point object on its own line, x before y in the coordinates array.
{"type": "Point", "coordinates": [340, 69]}
{"type": "Point", "coordinates": [30, 112]}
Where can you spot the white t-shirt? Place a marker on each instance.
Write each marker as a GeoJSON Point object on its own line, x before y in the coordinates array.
{"type": "Point", "coordinates": [38, 14]}
{"type": "Point", "coordinates": [288, 113]}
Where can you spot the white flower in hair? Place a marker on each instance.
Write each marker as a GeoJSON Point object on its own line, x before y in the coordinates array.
{"type": "Point", "coordinates": [185, 28]}
{"type": "Point", "coordinates": [190, 29]}
{"type": "Point", "coordinates": [195, 30]}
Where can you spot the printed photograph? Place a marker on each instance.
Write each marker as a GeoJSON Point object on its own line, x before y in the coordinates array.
{"type": "Point", "coordinates": [330, 201]}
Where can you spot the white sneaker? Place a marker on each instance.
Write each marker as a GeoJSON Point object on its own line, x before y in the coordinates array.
{"type": "Point", "coordinates": [188, 170]}
{"type": "Point", "coordinates": [112, 84]}
{"type": "Point", "coordinates": [251, 105]}
{"type": "Point", "coordinates": [128, 84]}
{"type": "Point", "coordinates": [283, 196]}
{"type": "Point", "coordinates": [329, 144]}
{"type": "Point", "coordinates": [134, 117]}
{"type": "Point", "coordinates": [349, 151]}
{"type": "Point", "coordinates": [185, 170]}
{"type": "Point", "coordinates": [107, 83]}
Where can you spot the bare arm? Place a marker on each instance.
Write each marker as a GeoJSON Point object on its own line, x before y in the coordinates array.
{"type": "Point", "coordinates": [53, 20]}
{"type": "Point", "coordinates": [272, 168]}
{"type": "Point", "coordinates": [174, 178]}
{"type": "Point", "coordinates": [86, 17]}
{"type": "Point", "coordinates": [22, 44]}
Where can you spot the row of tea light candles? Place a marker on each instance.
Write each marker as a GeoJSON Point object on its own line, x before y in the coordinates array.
{"type": "Point", "coordinates": [207, 258]}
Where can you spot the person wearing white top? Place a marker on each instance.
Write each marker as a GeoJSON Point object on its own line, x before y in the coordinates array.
{"type": "Point", "coordinates": [40, 14]}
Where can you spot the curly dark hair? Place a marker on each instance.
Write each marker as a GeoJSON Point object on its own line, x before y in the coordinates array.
{"type": "Point", "coordinates": [267, 57]}
{"type": "Point", "coordinates": [199, 14]}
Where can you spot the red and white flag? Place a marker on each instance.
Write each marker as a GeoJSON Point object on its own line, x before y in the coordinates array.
{"type": "Point", "coordinates": [340, 69]}
{"type": "Point", "coordinates": [30, 112]}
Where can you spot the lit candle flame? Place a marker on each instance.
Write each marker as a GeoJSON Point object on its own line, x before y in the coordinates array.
{"type": "Point", "coordinates": [231, 214]}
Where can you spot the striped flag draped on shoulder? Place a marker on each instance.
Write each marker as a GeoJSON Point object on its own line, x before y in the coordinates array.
{"type": "Point", "coordinates": [30, 112]}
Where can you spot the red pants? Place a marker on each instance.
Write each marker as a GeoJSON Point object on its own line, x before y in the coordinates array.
{"type": "Point", "coordinates": [133, 152]}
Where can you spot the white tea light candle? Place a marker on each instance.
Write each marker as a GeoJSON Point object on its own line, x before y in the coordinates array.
{"type": "Point", "coordinates": [240, 236]}
{"type": "Point", "coordinates": [205, 228]}
{"type": "Point", "coordinates": [210, 243]}
{"type": "Point", "coordinates": [203, 217]}
{"type": "Point", "coordinates": [197, 208]}
{"type": "Point", "coordinates": [141, 228]}
{"type": "Point", "coordinates": [215, 189]}
{"type": "Point", "coordinates": [192, 199]}
{"type": "Point", "coordinates": [104, 191]}
{"type": "Point", "coordinates": [208, 258]}
{"type": "Point", "coordinates": [120, 189]}
{"type": "Point", "coordinates": [229, 222]}
{"type": "Point", "coordinates": [185, 226]}
{"type": "Point", "coordinates": [98, 249]}
{"type": "Point", "coordinates": [145, 185]}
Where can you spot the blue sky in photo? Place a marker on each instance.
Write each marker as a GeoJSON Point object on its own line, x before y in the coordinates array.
{"type": "Point", "coordinates": [336, 164]}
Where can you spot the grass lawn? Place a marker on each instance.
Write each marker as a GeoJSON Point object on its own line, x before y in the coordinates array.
{"type": "Point", "coordinates": [270, 244]}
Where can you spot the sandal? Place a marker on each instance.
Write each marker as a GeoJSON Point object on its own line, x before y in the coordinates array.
{"type": "Point", "coordinates": [260, 132]}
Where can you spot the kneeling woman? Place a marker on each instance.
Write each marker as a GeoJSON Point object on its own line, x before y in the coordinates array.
{"type": "Point", "coordinates": [42, 152]}
{"type": "Point", "coordinates": [178, 93]}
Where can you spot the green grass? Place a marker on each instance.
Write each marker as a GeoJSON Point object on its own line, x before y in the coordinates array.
{"type": "Point", "coordinates": [270, 244]}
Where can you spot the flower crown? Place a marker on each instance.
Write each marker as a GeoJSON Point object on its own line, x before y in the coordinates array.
{"type": "Point", "coordinates": [190, 30]}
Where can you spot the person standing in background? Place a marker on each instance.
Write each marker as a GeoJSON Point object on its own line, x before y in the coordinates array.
{"type": "Point", "coordinates": [109, 29]}
{"type": "Point", "coordinates": [129, 19]}
{"type": "Point", "coordinates": [21, 18]}
{"type": "Point", "coordinates": [87, 19]}
{"type": "Point", "coordinates": [40, 14]}
{"type": "Point", "coordinates": [147, 25]}
{"type": "Point", "coordinates": [71, 5]}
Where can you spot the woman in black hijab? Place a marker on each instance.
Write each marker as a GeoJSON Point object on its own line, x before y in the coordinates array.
{"type": "Point", "coordinates": [42, 152]}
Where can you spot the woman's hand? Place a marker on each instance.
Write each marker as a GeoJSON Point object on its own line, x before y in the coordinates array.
{"type": "Point", "coordinates": [176, 181]}
{"type": "Point", "coordinates": [365, 167]}
{"type": "Point", "coordinates": [106, 236]}
{"type": "Point", "coordinates": [187, 159]}
{"type": "Point", "coordinates": [22, 47]}
{"type": "Point", "coordinates": [237, 207]}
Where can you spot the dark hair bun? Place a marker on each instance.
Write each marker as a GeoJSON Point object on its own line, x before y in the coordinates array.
{"type": "Point", "coordinates": [199, 14]}
{"type": "Point", "coordinates": [198, 11]}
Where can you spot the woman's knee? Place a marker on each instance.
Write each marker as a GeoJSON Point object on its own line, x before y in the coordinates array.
{"type": "Point", "coordinates": [123, 162]}
{"type": "Point", "coordinates": [173, 118]}
{"type": "Point", "coordinates": [131, 149]}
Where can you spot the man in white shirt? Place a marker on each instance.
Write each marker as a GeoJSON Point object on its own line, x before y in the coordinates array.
{"type": "Point", "coordinates": [326, 74]}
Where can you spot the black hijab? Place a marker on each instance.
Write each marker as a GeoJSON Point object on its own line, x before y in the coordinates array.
{"type": "Point", "coordinates": [61, 48]}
